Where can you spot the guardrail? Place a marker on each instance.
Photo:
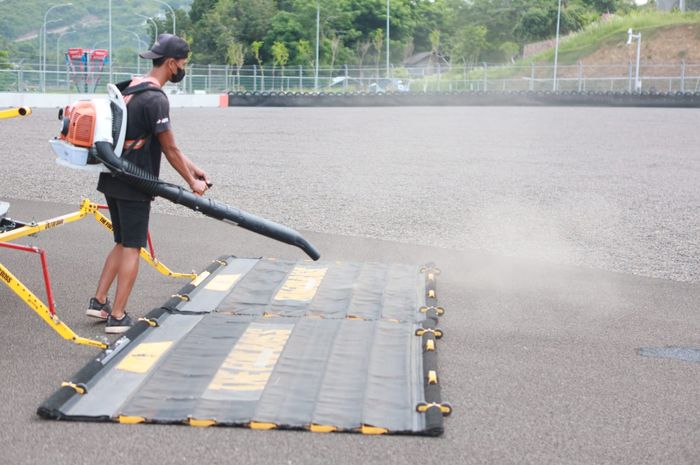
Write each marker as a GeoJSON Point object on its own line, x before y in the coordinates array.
{"type": "Point", "coordinates": [674, 77]}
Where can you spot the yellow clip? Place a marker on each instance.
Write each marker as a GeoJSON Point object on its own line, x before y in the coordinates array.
{"type": "Point", "coordinates": [430, 269]}
{"type": "Point", "coordinates": [431, 293]}
{"type": "Point", "coordinates": [322, 428]}
{"type": "Point", "coordinates": [129, 420]}
{"type": "Point", "coordinates": [79, 388]}
{"type": "Point", "coordinates": [151, 322]}
{"type": "Point", "coordinates": [200, 423]}
{"type": "Point", "coordinates": [258, 425]}
{"type": "Point", "coordinates": [367, 429]}
{"type": "Point", "coordinates": [432, 377]}
{"type": "Point", "coordinates": [220, 262]}
{"type": "Point", "coordinates": [184, 298]}
{"type": "Point", "coordinates": [440, 311]}
{"type": "Point", "coordinates": [445, 409]}
{"type": "Point", "coordinates": [430, 345]}
{"type": "Point", "coordinates": [436, 332]}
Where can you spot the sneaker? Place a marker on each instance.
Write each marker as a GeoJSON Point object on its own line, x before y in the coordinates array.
{"type": "Point", "coordinates": [115, 326]}
{"type": "Point", "coordinates": [98, 310]}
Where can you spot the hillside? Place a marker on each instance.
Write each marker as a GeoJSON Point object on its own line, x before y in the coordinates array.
{"type": "Point", "coordinates": [666, 38]}
{"type": "Point", "coordinates": [23, 18]}
{"type": "Point", "coordinates": [21, 21]}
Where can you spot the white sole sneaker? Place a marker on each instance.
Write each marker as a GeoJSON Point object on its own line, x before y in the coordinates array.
{"type": "Point", "coordinates": [97, 314]}
{"type": "Point", "coordinates": [117, 329]}
{"type": "Point", "coordinates": [115, 326]}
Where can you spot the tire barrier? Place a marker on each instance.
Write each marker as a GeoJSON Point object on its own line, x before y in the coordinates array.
{"type": "Point", "coordinates": [478, 98]}
{"type": "Point", "coordinates": [272, 344]}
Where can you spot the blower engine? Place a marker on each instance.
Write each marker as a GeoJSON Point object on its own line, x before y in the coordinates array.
{"type": "Point", "coordinates": [86, 123]}
{"type": "Point", "coordinates": [92, 138]}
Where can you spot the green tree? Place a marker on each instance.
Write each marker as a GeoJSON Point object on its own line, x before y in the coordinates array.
{"type": "Point", "coordinates": [200, 8]}
{"type": "Point", "coordinates": [255, 47]}
{"type": "Point", "coordinates": [242, 20]}
{"type": "Point", "coordinates": [363, 47]}
{"type": "Point", "coordinates": [535, 24]}
{"type": "Point", "coordinates": [7, 81]}
{"type": "Point", "coordinates": [280, 53]}
{"type": "Point", "coordinates": [510, 50]}
{"type": "Point", "coordinates": [182, 18]}
{"type": "Point", "coordinates": [286, 27]}
{"type": "Point", "coordinates": [304, 52]}
{"type": "Point", "coordinates": [377, 42]}
{"type": "Point", "coordinates": [434, 38]}
{"type": "Point", "coordinates": [280, 57]}
{"type": "Point", "coordinates": [467, 44]}
{"type": "Point", "coordinates": [236, 56]}
{"type": "Point", "coordinates": [348, 25]}
{"type": "Point", "coordinates": [335, 43]}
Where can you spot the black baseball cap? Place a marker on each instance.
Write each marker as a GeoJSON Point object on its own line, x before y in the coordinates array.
{"type": "Point", "coordinates": [168, 46]}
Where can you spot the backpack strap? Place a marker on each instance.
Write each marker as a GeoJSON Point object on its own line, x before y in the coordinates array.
{"type": "Point", "coordinates": [141, 87]}
{"type": "Point", "coordinates": [128, 92]}
{"type": "Point", "coordinates": [123, 85]}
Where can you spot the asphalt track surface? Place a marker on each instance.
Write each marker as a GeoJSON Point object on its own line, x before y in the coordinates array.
{"type": "Point", "coordinates": [540, 355]}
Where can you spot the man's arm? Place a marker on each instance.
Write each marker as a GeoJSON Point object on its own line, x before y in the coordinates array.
{"type": "Point", "coordinates": [196, 171]}
{"type": "Point", "coordinates": [195, 177]}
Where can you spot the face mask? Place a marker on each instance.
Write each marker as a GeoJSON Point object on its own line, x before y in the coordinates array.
{"type": "Point", "coordinates": [179, 76]}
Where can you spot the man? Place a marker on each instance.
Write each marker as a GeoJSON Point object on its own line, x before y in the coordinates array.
{"type": "Point", "coordinates": [148, 133]}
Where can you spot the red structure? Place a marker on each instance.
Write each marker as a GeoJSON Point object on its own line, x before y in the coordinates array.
{"type": "Point", "coordinates": [85, 67]}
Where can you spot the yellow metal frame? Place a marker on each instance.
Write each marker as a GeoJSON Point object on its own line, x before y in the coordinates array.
{"type": "Point", "coordinates": [87, 208]}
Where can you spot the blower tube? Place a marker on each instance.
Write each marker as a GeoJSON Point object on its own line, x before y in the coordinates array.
{"type": "Point", "coordinates": [150, 185]}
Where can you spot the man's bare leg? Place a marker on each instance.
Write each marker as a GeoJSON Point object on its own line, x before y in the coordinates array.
{"type": "Point", "coordinates": [109, 272]}
{"type": "Point", "coordinates": [126, 276]}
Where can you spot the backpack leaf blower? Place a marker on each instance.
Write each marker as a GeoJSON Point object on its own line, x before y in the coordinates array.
{"type": "Point", "coordinates": [92, 138]}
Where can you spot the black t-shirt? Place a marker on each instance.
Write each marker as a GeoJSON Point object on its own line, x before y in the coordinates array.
{"type": "Point", "coordinates": [148, 114]}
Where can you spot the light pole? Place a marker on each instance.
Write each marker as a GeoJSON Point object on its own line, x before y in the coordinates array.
{"type": "Point", "coordinates": [387, 37]}
{"type": "Point", "coordinates": [111, 55]}
{"type": "Point", "coordinates": [638, 36]}
{"type": "Point", "coordinates": [318, 37]}
{"type": "Point", "coordinates": [42, 48]}
{"type": "Point", "coordinates": [155, 26]}
{"type": "Point", "coordinates": [43, 51]}
{"type": "Point", "coordinates": [58, 49]}
{"type": "Point", "coordinates": [172, 12]}
{"type": "Point", "coordinates": [556, 49]}
{"type": "Point", "coordinates": [139, 41]}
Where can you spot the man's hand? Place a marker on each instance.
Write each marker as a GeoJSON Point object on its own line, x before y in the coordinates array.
{"type": "Point", "coordinates": [194, 176]}
{"type": "Point", "coordinates": [201, 175]}
{"type": "Point", "coordinates": [198, 186]}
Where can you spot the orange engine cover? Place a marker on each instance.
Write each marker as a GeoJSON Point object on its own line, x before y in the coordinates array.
{"type": "Point", "coordinates": [81, 128]}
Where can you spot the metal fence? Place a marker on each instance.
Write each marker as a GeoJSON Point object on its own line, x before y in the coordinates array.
{"type": "Point", "coordinates": [676, 77]}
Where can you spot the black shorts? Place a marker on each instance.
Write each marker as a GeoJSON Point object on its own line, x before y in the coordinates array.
{"type": "Point", "coordinates": [129, 221]}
